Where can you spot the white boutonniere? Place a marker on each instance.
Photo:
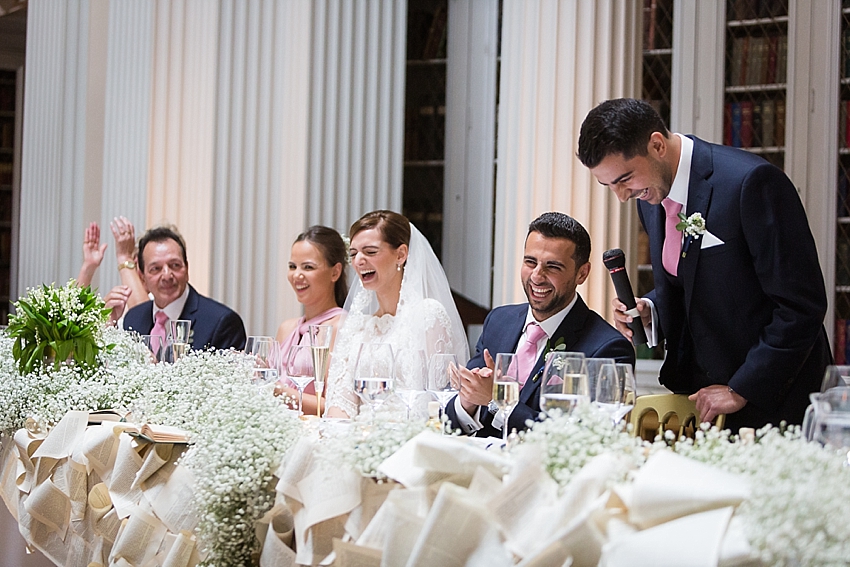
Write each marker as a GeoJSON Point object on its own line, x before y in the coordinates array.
{"type": "Point", "coordinates": [693, 225]}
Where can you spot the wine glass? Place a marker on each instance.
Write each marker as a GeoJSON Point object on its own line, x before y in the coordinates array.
{"type": "Point", "coordinates": [154, 344]}
{"type": "Point", "coordinates": [411, 367]}
{"type": "Point", "coordinates": [264, 378]}
{"type": "Point", "coordinates": [320, 342]}
{"type": "Point", "coordinates": [505, 388]}
{"type": "Point", "coordinates": [594, 365]}
{"type": "Point", "coordinates": [261, 348]}
{"type": "Point", "coordinates": [300, 369]}
{"type": "Point", "coordinates": [835, 376]}
{"type": "Point", "coordinates": [373, 374]}
{"type": "Point", "coordinates": [441, 381]}
{"type": "Point", "coordinates": [564, 383]}
{"type": "Point", "coordinates": [610, 392]}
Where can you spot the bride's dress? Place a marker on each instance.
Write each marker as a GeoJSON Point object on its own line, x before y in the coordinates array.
{"type": "Point", "coordinates": [420, 322]}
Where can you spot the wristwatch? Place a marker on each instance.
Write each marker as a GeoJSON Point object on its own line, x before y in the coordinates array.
{"type": "Point", "coordinates": [129, 264]}
{"type": "Point", "coordinates": [492, 407]}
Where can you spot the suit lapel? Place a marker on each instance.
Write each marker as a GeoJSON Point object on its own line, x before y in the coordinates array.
{"type": "Point", "coordinates": [699, 201]}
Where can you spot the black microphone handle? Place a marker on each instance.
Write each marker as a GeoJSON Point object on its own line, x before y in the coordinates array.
{"type": "Point", "coordinates": [625, 294]}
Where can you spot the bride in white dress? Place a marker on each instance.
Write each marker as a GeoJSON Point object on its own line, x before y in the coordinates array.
{"type": "Point", "coordinates": [401, 297]}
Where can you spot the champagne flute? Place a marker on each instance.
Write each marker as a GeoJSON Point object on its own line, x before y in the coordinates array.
{"type": "Point", "coordinates": [373, 374]}
{"type": "Point", "coordinates": [411, 367]}
{"type": "Point", "coordinates": [564, 383]}
{"type": "Point", "coordinates": [320, 342]}
{"type": "Point", "coordinates": [300, 369]}
{"type": "Point", "coordinates": [179, 331]}
{"type": "Point", "coordinates": [440, 378]}
{"type": "Point", "coordinates": [505, 388]}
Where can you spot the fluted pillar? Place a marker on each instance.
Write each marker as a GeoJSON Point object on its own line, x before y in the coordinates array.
{"type": "Point", "coordinates": [559, 59]}
{"type": "Point", "coordinates": [260, 153]}
{"type": "Point", "coordinates": [54, 205]}
{"type": "Point", "coordinates": [357, 109]}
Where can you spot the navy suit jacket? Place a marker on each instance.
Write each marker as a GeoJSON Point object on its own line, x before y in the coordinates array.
{"type": "Point", "coordinates": [213, 324]}
{"type": "Point", "coordinates": [583, 330]}
{"type": "Point", "coordinates": [748, 312]}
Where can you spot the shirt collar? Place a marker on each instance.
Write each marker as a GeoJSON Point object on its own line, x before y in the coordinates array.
{"type": "Point", "coordinates": [679, 188]}
{"type": "Point", "coordinates": [551, 324]}
{"type": "Point", "coordinates": [175, 308]}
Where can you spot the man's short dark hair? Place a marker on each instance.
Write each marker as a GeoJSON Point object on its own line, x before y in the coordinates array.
{"type": "Point", "coordinates": [618, 126]}
{"type": "Point", "coordinates": [159, 234]}
{"type": "Point", "coordinates": [559, 225]}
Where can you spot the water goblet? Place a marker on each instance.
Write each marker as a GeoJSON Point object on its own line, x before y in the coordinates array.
{"type": "Point", "coordinates": [320, 342]}
{"type": "Point", "coordinates": [300, 369]}
{"type": "Point", "coordinates": [835, 376]}
{"type": "Point", "coordinates": [154, 344]}
{"type": "Point", "coordinates": [594, 365]}
{"type": "Point", "coordinates": [373, 374]}
{"type": "Point", "coordinates": [411, 367]}
{"type": "Point", "coordinates": [505, 388]}
{"type": "Point", "coordinates": [564, 382]}
{"type": "Point", "coordinates": [265, 378]}
{"type": "Point", "coordinates": [442, 381]}
{"type": "Point", "coordinates": [261, 348]}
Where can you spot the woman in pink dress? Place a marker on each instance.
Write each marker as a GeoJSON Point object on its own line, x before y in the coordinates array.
{"type": "Point", "coordinates": [317, 275]}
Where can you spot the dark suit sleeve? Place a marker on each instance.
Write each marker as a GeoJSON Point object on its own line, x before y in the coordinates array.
{"type": "Point", "coordinates": [786, 263]}
{"type": "Point", "coordinates": [229, 332]}
{"type": "Point", "coordinates": [477, 361]}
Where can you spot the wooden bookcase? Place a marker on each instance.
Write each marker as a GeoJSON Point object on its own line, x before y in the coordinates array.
{"type": "Point", "coordinates": [841, 348]}
{"type": "Point", "coordinates": [9, 138]}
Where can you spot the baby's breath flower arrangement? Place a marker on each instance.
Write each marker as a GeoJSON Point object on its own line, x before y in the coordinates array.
{"type": "Point", "coordinates": [58, 322]}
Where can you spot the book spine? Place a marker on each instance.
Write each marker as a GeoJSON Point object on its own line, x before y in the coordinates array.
{"type": "Point", "coordinates": [770, 72]}
{"type": "Point", "coordinates": [745, 57]}
{"type": "Point", "coordinates": [840, 341]}
{"type": "Point", "coordinates": [780, 123]}
{"type": "Point", "coordinates": [727, 124]}
{"type": "Point", "coordinates": [768, 125]}
{"type": "Point", "coordinates": [845, 36]}
{"type": "Point", "coordinates": [782, 59]}
{"type": "Point", "coordinates": [736, 125]}
{"type": "Point", "coordinates": [747, 109]}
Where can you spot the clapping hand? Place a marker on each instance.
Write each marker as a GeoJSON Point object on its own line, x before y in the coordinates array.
{"type": "Point", "coordinates": [476, 385]}
{"type": "Point", "coordinates": [116, 300]}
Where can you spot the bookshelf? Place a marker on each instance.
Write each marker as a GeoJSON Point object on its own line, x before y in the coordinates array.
{"type": "Point", "coordinates": [841, 348]}
{"type": "Point", "coordinates": [425, 118]}
{"type": "Point", "coordinates": [755, 91]}
{"type": "Point", "coordinates": [9, 120]}
{"type": "Point", "coordinates": [656, 88]}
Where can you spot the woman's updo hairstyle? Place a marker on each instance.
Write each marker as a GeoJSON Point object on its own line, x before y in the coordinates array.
{"type": "Point", "coordinates": [394, 228]}
{"type": "Point", "coordinates": [334, 251]}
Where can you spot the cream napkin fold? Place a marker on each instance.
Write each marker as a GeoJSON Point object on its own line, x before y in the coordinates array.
{"type": "Point", "coordinates": [670, 486]}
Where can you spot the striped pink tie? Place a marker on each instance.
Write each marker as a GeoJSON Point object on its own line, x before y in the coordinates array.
{"type": "Point", "coordinates": [672, 237]}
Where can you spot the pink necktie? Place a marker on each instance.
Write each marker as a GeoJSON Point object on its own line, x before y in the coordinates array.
{"type": "Point", "coordinates": [672, 237]}
{"type": "Point", "coordinates": [526, 354]}
{"type": "Point", "coordinates": [160, 319]}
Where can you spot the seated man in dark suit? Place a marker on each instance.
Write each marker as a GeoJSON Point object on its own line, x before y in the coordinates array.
{"type": "Point", "coordinates": [555, 262]}
{"type": "Point", "coordinates": [164, 270]}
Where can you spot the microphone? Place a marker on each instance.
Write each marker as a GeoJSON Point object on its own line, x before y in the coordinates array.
{"type": "Point", "coordinates": [615, 261]}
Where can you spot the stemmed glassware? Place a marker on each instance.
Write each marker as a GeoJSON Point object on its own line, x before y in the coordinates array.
{"type": "Point", "coordinates": [179, 335]}
{"type": "Point", "coordinates": [265, 378]}
{"type": "Point", "coordinates": [610, 391]}
{"type": "Point", "coordinates": [320, 343]}
{"type": "Point", "coordinates": [594, 365]}
{"type": "Point", "coordinates": [154, 344]}
{"type": "Point", "coordinates": [373, 374]}
{"type": "Point", "coordinates": [564, 383]}
{"type": "Point", "coordinates": [505, 388]}
{"type": "Point", "coordinates": [835, 376]}
{"type": "Point", "coordinates": [299, 369]}
{"type": "Point", "coordinates": [627, 375]}
{"type": "Point", "coordinates": [441, 382]}
{"type": "Point", "coordinates": [411, 368]}
{"type": "Point", "coordinates": [261, 348]}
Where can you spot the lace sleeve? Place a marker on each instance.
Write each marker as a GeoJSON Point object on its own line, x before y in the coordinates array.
{"type": "Point", "coordinates": [431, 316]}
{"type": "Point", "coordinates": [340, 390]}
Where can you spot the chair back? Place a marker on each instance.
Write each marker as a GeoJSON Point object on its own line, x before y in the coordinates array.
{"type": "Point", "coordinates": [657, 413]}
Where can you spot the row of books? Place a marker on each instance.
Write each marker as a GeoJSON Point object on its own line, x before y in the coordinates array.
{"type": "Point", "coordinates": [752, 9]}
{"type": "Point", "coordinates": [843, 196]}
{"type": "Point", "coordinates": [845, 53]}
{"type": "Point", "coordinates": [841, 350]}
{"type": "Point", "coordinates": [758, 60]}
{"type": "Point", "coordinates": [658, 24]}
{"type": "Point", "coordinates": [753, 124]}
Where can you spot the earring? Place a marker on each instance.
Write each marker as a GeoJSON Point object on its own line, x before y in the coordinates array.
{"type": "Point", "coordinates": [398, 267]}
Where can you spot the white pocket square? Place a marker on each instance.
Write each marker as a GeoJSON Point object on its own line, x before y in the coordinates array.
{"type": "Point", "coordinates": [709, 240]}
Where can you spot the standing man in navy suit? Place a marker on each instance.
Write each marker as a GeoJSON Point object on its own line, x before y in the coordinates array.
{"type": "Point", "coordinates": [555, 262]}
{"type": "Point", "coordinates": [164, 270]}
{"type": "Point", "coordinates": [740, 298]}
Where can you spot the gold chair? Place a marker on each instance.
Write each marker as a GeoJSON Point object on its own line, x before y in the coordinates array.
{"type": "Point", "coordinates": [661, 412]}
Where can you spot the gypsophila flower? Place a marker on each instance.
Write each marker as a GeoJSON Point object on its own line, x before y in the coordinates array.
{"type": "Point", "coordinates": [693, 225]}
